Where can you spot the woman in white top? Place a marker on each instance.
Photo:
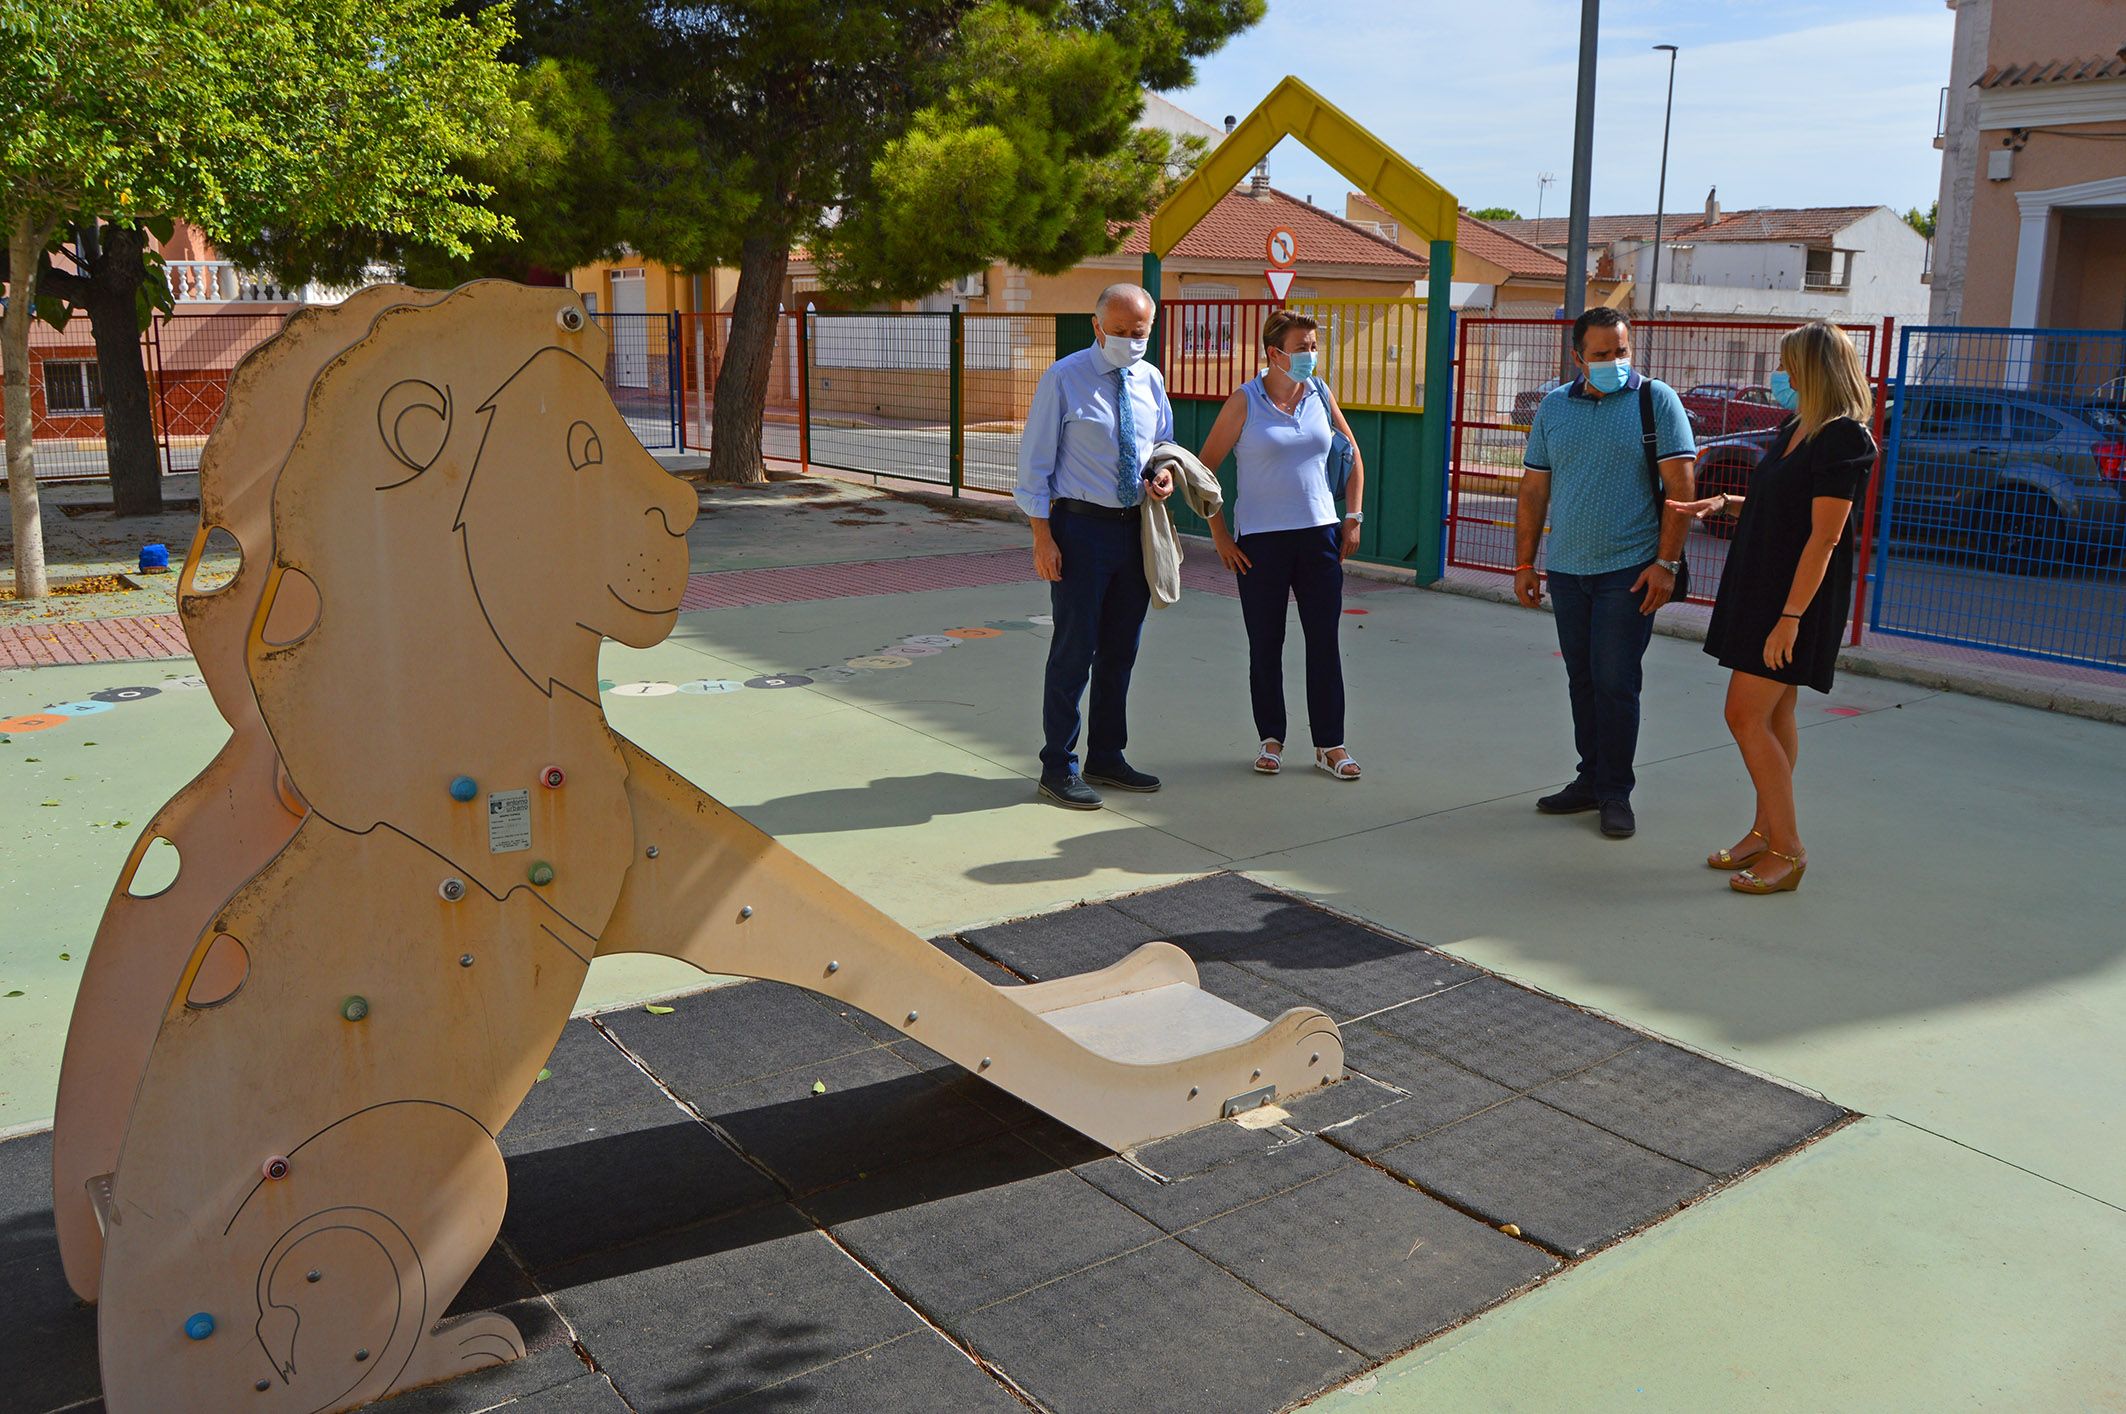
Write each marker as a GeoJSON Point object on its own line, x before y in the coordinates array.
{"type": "Point", "coordinates": [1292, 541]}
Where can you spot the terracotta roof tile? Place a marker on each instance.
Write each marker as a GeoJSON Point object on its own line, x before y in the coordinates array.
{"type": "Point", "coordinates": [1601, 230]}
{"type": "Point", "coordinates": [1807, 223]}
{"type": "Point", "coordinates": [2043, 71]}
{"type": "Point", "coordinates": [1488, 242]}
{"type": "Point", "coordinates": [1238, 229]}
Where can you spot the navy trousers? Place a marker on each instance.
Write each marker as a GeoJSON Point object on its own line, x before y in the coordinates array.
{"type": "Point", "coordinates": [1099, 608]}
{"type": "Point", "coordinates": [1297, 565]}
{"type": "Point", "coordinates": [1603, 637]}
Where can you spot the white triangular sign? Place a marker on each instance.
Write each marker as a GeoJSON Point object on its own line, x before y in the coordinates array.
{"type": "Point", "coordinates": [1280, 282]}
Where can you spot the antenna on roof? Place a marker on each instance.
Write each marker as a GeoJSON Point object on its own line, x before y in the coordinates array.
{"type": "Point", "coordinates": [1543, 181]}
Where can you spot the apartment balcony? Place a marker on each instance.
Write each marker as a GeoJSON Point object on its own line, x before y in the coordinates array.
{"type": "Point", "coordinates": [1834, 282]}
{"type": "Point", "coordinates": [221, 282]}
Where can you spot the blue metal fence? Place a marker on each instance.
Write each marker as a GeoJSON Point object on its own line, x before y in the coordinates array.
{"type": "Point", "coordinates": [2003, 514]}
{"type": "Point", "coordinates": [642, 374]}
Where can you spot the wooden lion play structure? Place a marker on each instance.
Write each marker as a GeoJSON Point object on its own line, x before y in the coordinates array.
{"type": "Point", "coordinates": [274, 1162]}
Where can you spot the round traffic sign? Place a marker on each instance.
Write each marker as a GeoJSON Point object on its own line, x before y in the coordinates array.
{"type": "Point", "coordinates": [1283, 247]}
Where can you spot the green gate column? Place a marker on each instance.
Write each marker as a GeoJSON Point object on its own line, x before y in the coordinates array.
{"type": "Point", "coordinates": [1151, 287]}
{"type": "Point", "coordinates": [1439, 412]}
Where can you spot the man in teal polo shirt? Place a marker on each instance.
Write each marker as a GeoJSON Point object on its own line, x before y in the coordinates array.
{"type": "Point", "coordinates": [1613, 550]}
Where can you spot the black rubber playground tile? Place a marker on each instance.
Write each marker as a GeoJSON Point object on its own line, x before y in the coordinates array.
{"type": "Point", "coordinates": [1369, 1259]}
{"type": "Point", "coordinates": [1062, 944]}
{"type": "Point", "coordinates": [1348, 969]}
{"type": "Point", "coordinates": [871, 1110]}
{"type": "Point", "coordinates": [733, 1035]}
{"type": "Point", "coordinates": [687, 1322]}
{"type": "Point", "coordinates": [1222, 915]}
{"type": "Point", "coordinates": [1158, 1328]}
{"type": "Point", "coordinates": [918, 1373]}
{"type": "Point", "coordinates": [1690, 1108]}
{"type": "Point", "coordinates": [977, 1225]}
{"type": "Point", "coordinates": [1176, 1197]}
{"type": "Point", "coordinates": [1563, 1182]}
{"type": "Point", "coordinates": [49, 1360]}
{"type": "Point", "coordinates": [1512, 1035]}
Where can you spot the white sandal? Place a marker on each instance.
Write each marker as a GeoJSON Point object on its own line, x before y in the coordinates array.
{"type": "Point", "coordinates": [1321, 762]}
{"type": "Point", "coordinates": [1275, 758]}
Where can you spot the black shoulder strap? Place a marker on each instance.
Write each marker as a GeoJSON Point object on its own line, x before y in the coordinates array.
{"type": "Point", "coordinates": [1649, 438]}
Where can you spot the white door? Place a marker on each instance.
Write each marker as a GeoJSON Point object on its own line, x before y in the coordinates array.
{"type": "Point", "coordinates": [631, 335]}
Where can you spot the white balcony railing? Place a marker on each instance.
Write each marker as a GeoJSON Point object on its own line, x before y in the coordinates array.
{"type": "Point", "coordinates": [1826, 280]}
{"type": "Point", "coordinates": [221, 282]}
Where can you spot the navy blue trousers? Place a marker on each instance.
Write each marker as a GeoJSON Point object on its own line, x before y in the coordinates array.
{"type": "Point", "coordinates": [1099, 608]}
{"type": "Point", "coordinates": [1603, 637]}
{"type": "Point", "coordinates": [1289, 565]}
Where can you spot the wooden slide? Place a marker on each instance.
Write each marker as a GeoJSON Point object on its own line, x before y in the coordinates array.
{"type": "Point", "coordinates": [274, 1163]}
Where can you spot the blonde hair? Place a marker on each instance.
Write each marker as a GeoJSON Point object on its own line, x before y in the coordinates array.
{"type": "Point", "coordinates": [1829, 379]}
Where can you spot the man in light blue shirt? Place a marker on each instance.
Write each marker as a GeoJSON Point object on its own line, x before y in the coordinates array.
{"type": "Point", "coordinates": [1613, 554]}
{"type": "Point", "coordinates": [1095, 418]}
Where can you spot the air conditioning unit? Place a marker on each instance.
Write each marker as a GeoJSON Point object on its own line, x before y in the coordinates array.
{"type": "Point", "coordinates": [969, 287]}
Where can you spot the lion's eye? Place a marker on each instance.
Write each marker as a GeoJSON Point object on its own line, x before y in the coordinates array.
{"type": "Point", "coordinates": [583, 446]}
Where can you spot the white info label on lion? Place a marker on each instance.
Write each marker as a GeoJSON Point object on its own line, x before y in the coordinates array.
{"type": "Point", "coordinates": [508, 821]}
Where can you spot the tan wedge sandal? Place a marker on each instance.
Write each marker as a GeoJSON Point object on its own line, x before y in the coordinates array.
{"type": "Point", "coordinates": [1728, 859]}
{"type": "Point", "coordinates": [1748, 883]}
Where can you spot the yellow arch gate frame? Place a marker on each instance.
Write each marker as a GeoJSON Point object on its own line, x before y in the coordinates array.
{"type": "Point", "coordinates": [1424, 208]}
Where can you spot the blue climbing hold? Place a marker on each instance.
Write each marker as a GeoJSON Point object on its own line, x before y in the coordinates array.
{"type": "Point", "coordinates": [199, 1325]}
{"type": "Point", "coordinates": [463, 787]}
{"type": "Point", "coordinates": [154, 559]}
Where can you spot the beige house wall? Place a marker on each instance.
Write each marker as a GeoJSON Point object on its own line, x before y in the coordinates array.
{"type": "Point", "coordinates": [2053, 158]}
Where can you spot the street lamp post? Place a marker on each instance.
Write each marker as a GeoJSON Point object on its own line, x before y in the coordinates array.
{"type": "Point", "coordinates": [1653, 286]}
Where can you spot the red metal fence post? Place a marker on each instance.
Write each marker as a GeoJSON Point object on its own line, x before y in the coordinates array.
{"type": "Point", "coordinates": [1874, 498]}
{"type": "Point", "coordinates": [1454, 462]}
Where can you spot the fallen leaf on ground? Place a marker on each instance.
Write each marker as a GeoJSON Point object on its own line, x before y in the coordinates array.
{"type": "Point", "coordinates": [819, 1087]}
{"type": "Point", "coordinates": [657, 1010]}
{"type": "Point", "coordinates": [544, 1074]}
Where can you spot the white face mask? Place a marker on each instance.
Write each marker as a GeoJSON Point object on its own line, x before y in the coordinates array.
{"type": "Point", "coordinates": [1121, 352]}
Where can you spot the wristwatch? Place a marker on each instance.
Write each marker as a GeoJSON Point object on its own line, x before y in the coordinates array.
{"type": "Point", "coordinates": [1674, 567]}
{"type": "Point", "coordinates": [1358, 516]}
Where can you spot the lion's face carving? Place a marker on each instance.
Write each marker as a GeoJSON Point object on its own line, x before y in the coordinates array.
{"type": "Point", "coordinates": [610, 555]}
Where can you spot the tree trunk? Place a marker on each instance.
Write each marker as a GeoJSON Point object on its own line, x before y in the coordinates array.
{"type": "Point", "coordinates": [748, 360]}
{"type": "Point", "coordinates": [25, 244]}
{"type": "Point", "coordinates": [113, 304]}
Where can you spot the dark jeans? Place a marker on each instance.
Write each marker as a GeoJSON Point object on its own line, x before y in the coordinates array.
{"type": "Point", "coordinates": [1099, 607]}
{"type": "Point", "coordinates": [1603, 637]}
{"type": "Point", "coordinates": [1301, 565]}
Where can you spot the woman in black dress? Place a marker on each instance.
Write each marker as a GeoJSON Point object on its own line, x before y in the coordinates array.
{"type": "Point", "coordinates": [1789, 578]}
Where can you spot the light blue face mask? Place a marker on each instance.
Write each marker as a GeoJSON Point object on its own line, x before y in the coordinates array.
{"type": "Point", "coordinates": [1302, 366]}
{"type": "Point", "coordinates": [1783, 390]}
{"type": "Point", "coordinates": [1610, 376]}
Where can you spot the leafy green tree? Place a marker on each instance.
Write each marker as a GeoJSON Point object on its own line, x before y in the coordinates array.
{"type": "Point", "coordinates": [1923, 221]}
{"type": "Point", "coordinates": [1496, 213]}
{"type": "Point", "coordinates": [239, 116]}
{"type": "Point", "coordinates": [903, 142]}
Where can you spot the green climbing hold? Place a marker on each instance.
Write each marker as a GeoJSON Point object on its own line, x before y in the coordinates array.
{"type": "Point", "coordinates": [540, 873]}
{"type": "Point", "coordinates": [355, 1008]}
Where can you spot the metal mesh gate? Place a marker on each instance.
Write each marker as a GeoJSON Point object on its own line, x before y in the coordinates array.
{"type": "Point", "coordinates": [2004, 499]}
{"type": "Point", "coordinates": [642, 374]}
{"type": "Point", "coordinates": [1720, 369]}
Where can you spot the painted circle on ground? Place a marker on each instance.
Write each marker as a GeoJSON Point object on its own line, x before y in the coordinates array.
{"type": "Point", "coordinates": [1358, 611]}
{"type": "Point", "coordinates": [835, 674]}
{"type": "Point", "coordinates": [644, 689]}
{"type": "Point", "coordinates": [124, 694]}
{"type": "Point", "coordinates": [931, 640]}
{"type": "Point", "coordinates": [191, 682]}
{"type": "Point", "coordinates": [700, 685]}
{"type": "Point", "coordinates": [915, 650]}
{"type": "Point", "coordinates": [974, 633]}
{"type": "Point", "coordinates": [1011, 625]}
{"type": "Point", "coordinates": [1843, 711]}
{"type": "Point", "coordinates": [605, 684]}
{"type": "Point", "coordinates": [79, 709]}
{"type": "Point", "coordinates": [33, 722]}
{"type": "Point", "coordinates": [880, 662]}
{"type": "Point", "coordinates": [780, 680]}
{"type": "Point", "coordinates": [1042, 620]}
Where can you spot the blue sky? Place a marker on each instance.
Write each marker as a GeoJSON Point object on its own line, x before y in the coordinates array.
{"type": "Point", "coordinates": [1778, 102]}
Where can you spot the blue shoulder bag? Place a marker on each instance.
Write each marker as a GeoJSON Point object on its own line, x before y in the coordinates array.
{"type": "Point", "coordinates": [1341, 452]}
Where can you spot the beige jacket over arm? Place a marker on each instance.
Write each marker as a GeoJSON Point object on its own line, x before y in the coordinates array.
{"type": "Point", "coordinates": [1200, 492]}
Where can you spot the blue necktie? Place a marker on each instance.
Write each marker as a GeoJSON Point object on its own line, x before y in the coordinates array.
{"type": "Point", "coordinates": [1129, 472]}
